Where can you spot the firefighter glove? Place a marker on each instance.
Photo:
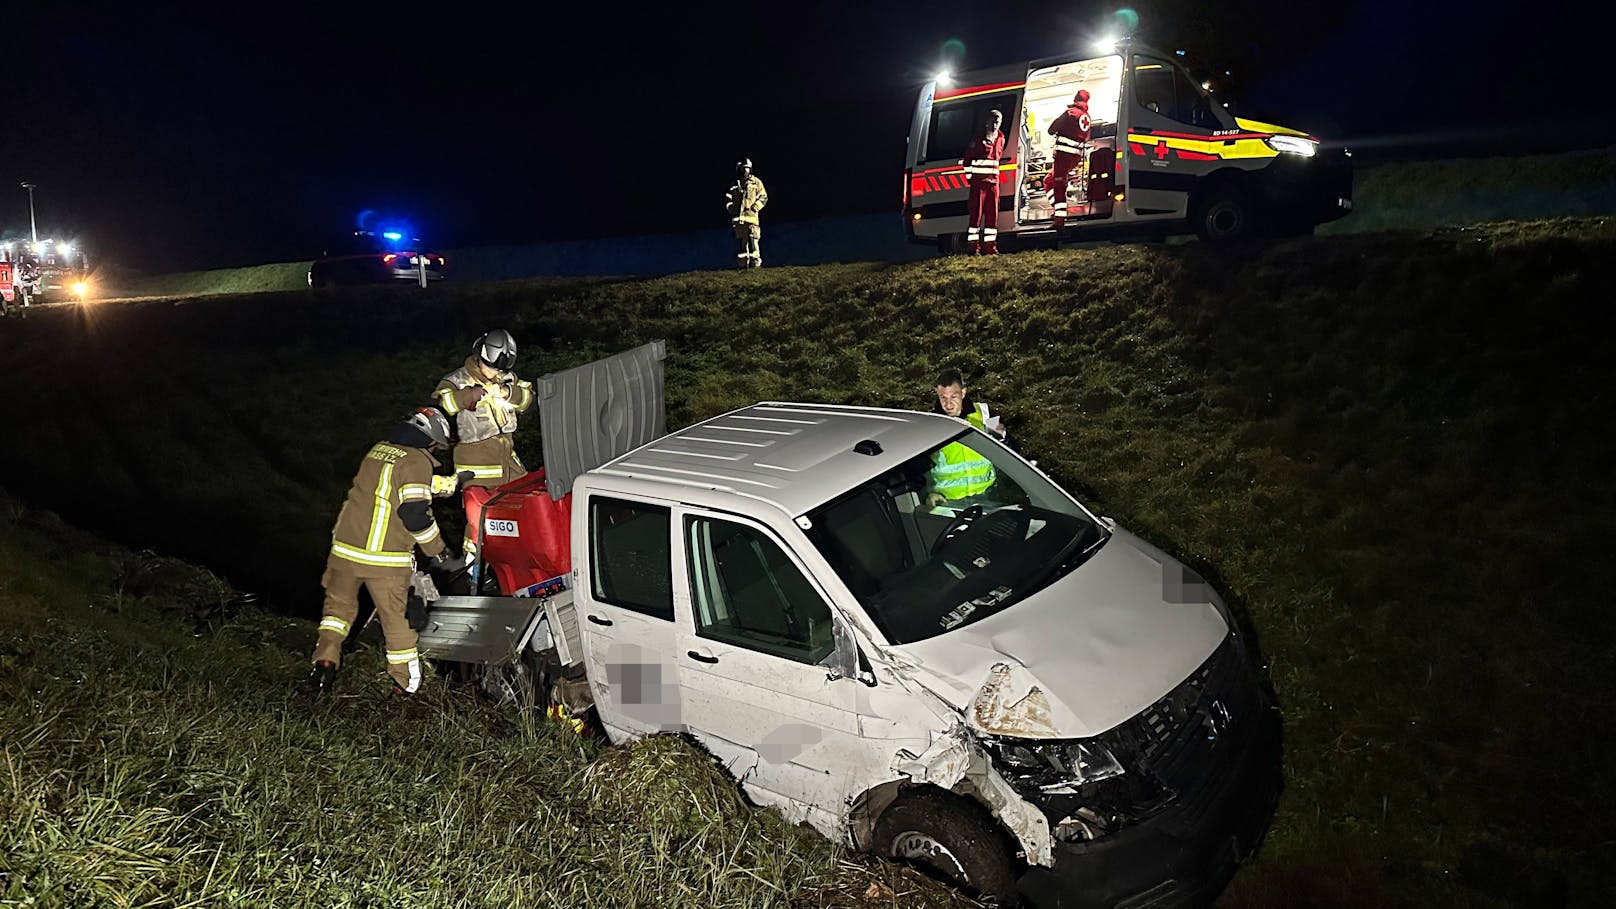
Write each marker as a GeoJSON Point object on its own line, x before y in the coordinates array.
{"type": "Point", "coordinates": [448, 564]}
{"type": "Point", "coordinates": [464, 477]}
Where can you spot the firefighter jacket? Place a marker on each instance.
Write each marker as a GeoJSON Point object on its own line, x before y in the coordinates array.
{"type": "Point", "coordinates": [1071, 129]}
{"type": "Point", "coordinates": [957, 470]}
{"type": "Point", "coordinates": [478, 419]}
{"type": "Point", "coordinates": [484, 425]}
{"type": "Point", "coordinates": [982, 158]}
{"type": "Point", "coordinates": [388, 511]}
{"type": "Point", "coordinates": [746, 201]}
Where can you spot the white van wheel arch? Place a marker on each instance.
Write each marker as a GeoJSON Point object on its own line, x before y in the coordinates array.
{"type": "Point", "coordinates": [954, 838]}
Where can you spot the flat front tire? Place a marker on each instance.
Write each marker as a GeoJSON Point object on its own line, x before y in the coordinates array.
{"type": "Point", "coordinates": [953, 839]}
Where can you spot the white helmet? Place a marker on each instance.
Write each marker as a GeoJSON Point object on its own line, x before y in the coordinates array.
{"type": "Point", "coordinates": [432, 423]}
{"type": "Point", "coordinates": [497, 350]}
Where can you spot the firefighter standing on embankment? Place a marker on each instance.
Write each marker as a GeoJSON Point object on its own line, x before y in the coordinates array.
{"type": "Point", "coordinates": [743, 202]}
{"type": "Point", "coordinates": [1071, 132]}
{"type": "Point", "coordinates": [388, 512]}
{"type": "Point", "coordinates": [484, 396]}
{"type": "Point", "coordinates": [981, 163]}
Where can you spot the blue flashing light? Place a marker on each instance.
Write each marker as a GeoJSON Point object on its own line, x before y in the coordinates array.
{"type": "Point", "coordinates": [393, 235]}
{"type": "Point", "coordinates": [1179, 52]}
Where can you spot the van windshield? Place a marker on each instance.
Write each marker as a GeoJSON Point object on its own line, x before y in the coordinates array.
{"type": "Point", "coordinates": [950, 537]}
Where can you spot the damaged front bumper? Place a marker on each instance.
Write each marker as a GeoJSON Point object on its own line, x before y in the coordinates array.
{"type": "Point", "coordinates": [1185, 854]}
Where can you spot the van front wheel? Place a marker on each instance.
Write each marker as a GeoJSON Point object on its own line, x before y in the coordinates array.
{"type": "Point", "coordinates": [953, 839]}
{"type": "Point", "coordinates": [1224, 216]}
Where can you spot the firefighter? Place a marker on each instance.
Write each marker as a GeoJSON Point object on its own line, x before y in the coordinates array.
{"type": "Point", "coordinates": [957, 470]}
{"type": "Point", "coordinates": [1071, 132]}
{"type": "Point", "coordinates": [982, 169]}
{"type": "Point", "coordinates": [387, 514]}
{"type": "Point", "coordinates": [484, 396]}
{"type": "Point", "coordinates": [743, 202]}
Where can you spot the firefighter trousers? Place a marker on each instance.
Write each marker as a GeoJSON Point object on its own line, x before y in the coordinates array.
{"type": "Point", "coordinates": [747, 253]}
{"type": "Point", "coordinates": [389, 593]}
{"type": "Point", "coordinates": [983, 232]}
{"type": "Point", "coordinates": [1060, 180]}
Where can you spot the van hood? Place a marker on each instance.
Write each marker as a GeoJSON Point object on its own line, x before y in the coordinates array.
{"type": "Point", "coordinates": [1081, 656]}
{"type": "Point", "coordinates": [1258, 126]}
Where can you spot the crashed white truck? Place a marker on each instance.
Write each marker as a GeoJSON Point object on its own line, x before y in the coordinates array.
{"type": "Point", "coordinates": [1007, 689]}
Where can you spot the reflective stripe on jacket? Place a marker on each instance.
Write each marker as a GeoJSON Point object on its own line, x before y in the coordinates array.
{"type": "Point", "coordinates": [1071, 129]}
{"type": "Point", "coordinates": [369, 531]}
{"type": "Point", "coordinates": [491, 415]}
{"type": "Point", "coordinates": [982, 157]}
{"type": "Point", "coordinates": [746, 202]}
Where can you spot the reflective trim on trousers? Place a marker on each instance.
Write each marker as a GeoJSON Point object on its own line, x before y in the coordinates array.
{"type": "Point", "coordinates": [332, 623]}
{"type": "Point", "coordinates": [371, 557]}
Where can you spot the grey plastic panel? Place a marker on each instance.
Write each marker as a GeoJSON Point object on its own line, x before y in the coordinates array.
{"type": "Point", "coordinates": [593, 413]}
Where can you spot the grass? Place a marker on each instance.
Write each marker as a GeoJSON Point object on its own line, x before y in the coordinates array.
{"type": "Point", "coordinates": [1418, 195]}
{"type": "Point", "coordinates": [1391, 450]}
{"type": "Point", "coordinates": [144, 765]}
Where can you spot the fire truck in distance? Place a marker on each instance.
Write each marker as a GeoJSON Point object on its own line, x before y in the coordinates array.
{"type": "Point", "coordinates": [1162, 157]}
{"type": "Point", "coordinates": [44, 271]}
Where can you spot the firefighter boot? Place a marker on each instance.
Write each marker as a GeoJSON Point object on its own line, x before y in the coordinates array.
{"type": "Point", "coordinates": [324, 676]}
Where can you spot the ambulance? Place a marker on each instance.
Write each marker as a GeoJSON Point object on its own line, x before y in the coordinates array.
{"type": "Point", "coordinates": [1163, 156]}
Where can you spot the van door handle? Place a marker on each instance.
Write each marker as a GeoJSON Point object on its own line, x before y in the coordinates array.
{"type": "Point", "coordinates": [598, 620]}
{"type": "Point", "coordinates": [701, 658]}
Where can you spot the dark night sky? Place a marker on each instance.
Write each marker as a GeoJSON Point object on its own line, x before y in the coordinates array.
{"type": "Point", "coordinates": [170, 136]}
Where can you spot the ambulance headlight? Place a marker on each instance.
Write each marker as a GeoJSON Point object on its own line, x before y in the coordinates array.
{"type": "Point", "coordinates": [1293, 145]}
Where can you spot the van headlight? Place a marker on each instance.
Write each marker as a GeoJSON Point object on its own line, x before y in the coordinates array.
{"type": "Point", "coordinates": [1293, 145]}
{"type": "Point", "coordinates": [1052, 767]}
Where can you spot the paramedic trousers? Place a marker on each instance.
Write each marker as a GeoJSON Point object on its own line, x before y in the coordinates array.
{"type": "Point", "coordinates": [983, 233]}
{"type": "Point", "coordinates": [389, 592]}
{"type": "Point", "coordinates": [1060, 178]}
{"type": "Point", "coordinates": [747, 253]}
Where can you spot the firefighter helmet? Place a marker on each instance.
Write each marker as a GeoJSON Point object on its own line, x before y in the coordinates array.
{"type": "Point", "coordinates": [743, 164]}
{"type": "Point", "coordinates": [432, 424]}
{"type": "Point", "coordinates": [497, 350]}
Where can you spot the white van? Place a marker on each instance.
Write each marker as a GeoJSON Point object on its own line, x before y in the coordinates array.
{"type": "Point", "coordinates": [1163, 156]}
{"type": "Point", "coordinates": [1006, 688]}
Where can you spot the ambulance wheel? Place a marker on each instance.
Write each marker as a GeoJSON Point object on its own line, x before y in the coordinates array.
{"type": "Point", "coordinates": [1224, 216]}
{"type": "Point", "coordinates": [955, 839]}
{"type": "Point", "coordinates": [951, 244]}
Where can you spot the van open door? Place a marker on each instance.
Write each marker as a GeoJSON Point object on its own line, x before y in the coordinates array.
{"type": "Point", "coordinates": [1050, 88]}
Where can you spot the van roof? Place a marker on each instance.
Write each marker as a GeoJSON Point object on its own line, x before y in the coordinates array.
{"type": "Point", "coordinates": [792, 456]}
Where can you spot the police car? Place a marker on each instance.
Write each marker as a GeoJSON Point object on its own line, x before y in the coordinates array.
{"type": "Point", "coordinates": [376, 257]}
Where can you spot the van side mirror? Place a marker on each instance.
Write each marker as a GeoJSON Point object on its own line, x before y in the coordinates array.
{"type": "Point", "coordinates": [845, 661]}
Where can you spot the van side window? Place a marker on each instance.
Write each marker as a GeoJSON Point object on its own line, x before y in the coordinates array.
{"type": "Point", "coordinates": [955, 123]}
{"type": "Point", "coordinates": [1162, 88]}
{"type": "Point", "coordinates": [745, 591]}
{"type": "Point", "coordinates": [630, 556]}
